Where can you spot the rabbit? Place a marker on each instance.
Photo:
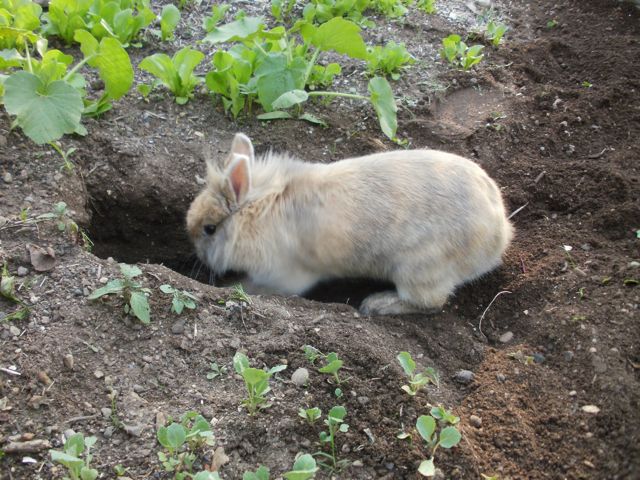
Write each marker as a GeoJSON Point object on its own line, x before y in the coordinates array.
{"type": "Point", "coordinates": [425, 220]}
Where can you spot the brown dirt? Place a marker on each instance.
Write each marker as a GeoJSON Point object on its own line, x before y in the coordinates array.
{"type": "Point", "coordinates": [567, 153]}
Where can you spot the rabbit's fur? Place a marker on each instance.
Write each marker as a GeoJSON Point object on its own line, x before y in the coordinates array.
{"type": "Point", "coordinates": [426, 220]}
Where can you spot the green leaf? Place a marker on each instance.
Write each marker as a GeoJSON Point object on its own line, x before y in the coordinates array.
{"type": "Point", "coordinates": [167, 288]}
{"type": "Point", "coordinates": [140, 307]}
{"type": "Point", "coordinates": [332, 367]}
{"type": "Point", "coordinates": [290, 98]}
{"type": "Point", "coordinates": [341, 36]}
{"type": "Point", "coordinates": [87, 473]}
{"type": "Point", "coordinates": [19, 314]}
{"type": "Point", "coordinates": [177, 305]}
{"type": "Point", "coordinates": [169, 19]}
{"type": "Point", "coordinates": [74, 444]}
{"type": "Point", "coordinates": [385, 105]}
{"type": "Point", "coordinates": [277, 76]}
{"type": "Point", "coordinates": [407, 363]}
{"type": "Point", "coordinates": [276, 369]}
{"type": "Point", "coordinates": [240, 362]}
{"type": "Point", "coordinates": [114, 286]}
{"type": "Point", "coordinates": [276, 115]}
{"type": "Point", "coordinates": [308, 117]}
{"type": "Point", "coordinates": [130, 271]}
{"type": "Point", "coordinates": [253, 376]}
{"type": "Point", "coordinates": [206, 476]}
{"type": "Point", "coordinates": [262, 473]}
{"type": "Point", "coordinates": [427, 468]}
{"type": "Point", "coordinates": [173, 436]}
{"type": "Point", "coordinates": [69, 461]}
{"type": "Point", "coordinates": [44, 112]}
{"type": "Point", "coordinates": [304, 468]}
{"type": "Point", "coordinates": [449, 437]}
{"type": "Point", "coordinates": [238, 30]}
{"type": "Point", "coordinates": [337, 414]}
{"type": "Point", "coordinates": [426, 426]}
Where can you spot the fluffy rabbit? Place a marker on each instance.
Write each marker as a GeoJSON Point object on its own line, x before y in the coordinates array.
{"type": "Point", "coordinates": [426, 220]}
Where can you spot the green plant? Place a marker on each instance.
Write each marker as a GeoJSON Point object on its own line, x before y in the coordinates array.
{"type": "Point", "coordinates": [442, 414]}
{"type": "Point", "coordinates": [304, 468]}
{"type": "Point", "coordinates": [134, 294]}
{"type": "Point", "coordinates": [76, 447]}
{"type": "Point", "coordinates": [49, 101]}
{"type": "Point", "coordinates": [427, 6]}
{"type": "Point", "coordinates": [119, 470]}
{"type": "Point", "coordinates": [273, 67]}
{"type": "Point", "coordinates": [181, 299]}
{"type": "Point", "coordinates": [281, 8]}
{"type": "Point", "coordinates": [434, 436]}
{"type": "Point", "coordinates": [8, 291]}
{"type": "Point", "coordinates": [122, 19]}
{"type": "Point", "coordinates": [17, 18]}
{"type": "Point", "coordinates": [262, 473]}
{"type": "Point", "coordinates": [216, 370]}
{"type": "Point", "coordinates": [175, 73]}
{"type": "Point", "coordinates": [66, 156]}
{"type": "Point", "coordinates": [457, 53]}
{"type": "Point", "coordinates": [310, 414]}
{"type": "Point", "coordinates": [552, 24]}
{"type": "Point", "coordinates": [240, 295]}
{"type": "Point", "coordinates": [169, 19]}
{"type": "Point", "coordinates": [59, 214]}
{"type": "Point", "coordinates": [218, 12]}
{"type": "Point", "coordinates": [332, 365]}
{"type": "Point", "coordinates": [335, 423]}
{"type": "Point", "coordinates": [256, 381]}
{"type": "Point", "coordinates": [389, 60]}
{"type": "Point", "coordinates": [586, 84]}
{"type": "Point", "coordinates": [181, 440]}
{"type": "Point", "coordinates": [495, 31]}
{"type": "Point", "coordinates": [416, 380]}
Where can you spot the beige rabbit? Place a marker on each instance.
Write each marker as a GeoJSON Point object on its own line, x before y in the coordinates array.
{"type": "Point", "coordinates": [425, 220]}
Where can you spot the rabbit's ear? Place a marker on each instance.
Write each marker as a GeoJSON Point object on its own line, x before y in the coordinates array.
{"type": "Point", "coordinates": [238, 179]}
{"type": "Point", "coordinates": [242, 145]}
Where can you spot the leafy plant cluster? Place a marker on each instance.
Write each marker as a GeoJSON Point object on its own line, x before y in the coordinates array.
{"type": "Point", "coordinates": [76, 457]}
{"type": "Point", "coordinates": [416, 380]}
{"type": "Point", "coordinates": [331, 363]}
{"type": "Point", "coordinates": [136, 297]}
{"type": "Point", "coordinates": [256, 382]}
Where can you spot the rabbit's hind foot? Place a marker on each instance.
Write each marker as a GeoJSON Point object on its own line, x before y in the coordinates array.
{"type": "Point", "coordinates": [390, 303]}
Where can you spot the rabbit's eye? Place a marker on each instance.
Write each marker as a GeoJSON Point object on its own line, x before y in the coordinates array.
{"type": "Point", "coordinates": [209, 229]}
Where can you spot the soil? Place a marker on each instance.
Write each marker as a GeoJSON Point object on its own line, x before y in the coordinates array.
{"type": "Point", "coordinates": [551, 331]}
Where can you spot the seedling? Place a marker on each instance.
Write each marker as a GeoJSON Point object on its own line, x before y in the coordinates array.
{"type": "Point", "coordinates": [442, 414]}
{"type": "Point", "coordinates": [66, 156]}
{"type": "Point", "coordinates": [389, 60]}
{"type": "Point", "coordinates": [60, 214]}
{"type": "Point", "coordinates": [495, 31]}
{"type": "Point", "coordinates": [310, 414]}
{"type": "Point", "coordinates": [181, 440]}
{"type": "Point", "coordinates": [552, 24]}
{"type": "Point", "coordinates": [256, 382]}
{"type": "Point", "coordinates": [175, 73]}
{"type": "Point", "coordinates": [446, 437]}
{"type": "Point", "coordinates": [587, 84]}
{"type": "Point", "coordinates": [169, 19]}
{"type": "Point", "coordinates": [75, 448]}
{"type": "Point", "coordinates": [181, 299]}
{"type": "Point", "coordinates": [262, 473]}
{"type": "Point", "coordinates": [282, 8]}
{"type": "Point", "coordinates": [332, 366]}
{"type": "Point", "coordinates": [240, 295]}
{"type": "Point", "coordinates": [8, 291]}
{"type": "Point", "coordinates": [216, 370]}
{"type": "Point", "coordinates": [119, 470]}
{"type": "Point", "coordinates": [416, 380]}
{"type": "Point", "coordinates": [304, 468]}
{"type": "Point", "coordinates": [457, 53]}
{"type": "Point", "coordinates": [522, 358]}
{"type": "Point", "coordinates": [335, 423]}
{"type": "Point", "coordinates": [133, 293]}
{"type": "Point", "coordinates": [427, 6]}
{"type": "Point", "coordinates": [338, 393]}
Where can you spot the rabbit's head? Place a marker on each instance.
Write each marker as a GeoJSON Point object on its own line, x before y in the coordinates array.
{"type": "Point", "coordinates": [228, 184]}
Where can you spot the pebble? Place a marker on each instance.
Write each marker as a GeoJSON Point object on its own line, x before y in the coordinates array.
{"type": "Point", "coordinates": [98, 374]}
{"type": "Point", "coordinates": [464, 376]}
{"type": "Point", "coordinates": [134, 430]}
{"type": "Point", "coordinates": [475, 421]}
{"type": "Point", "coordinates": [506, 337]}
{"type": "Point", "coordinates": [77, 292]}
{"type": "Point", "coordinates": [300, 377]}
{"type": "Point", "coordinates": [23, 272]}
{"type": "Point", "coordinates": [15, 331]}
{"type": "Point", "coordinates": [108, 432]}
{"type": "Point", "coordinates": [69, 432]}
{"type": "Point", "coordinates": [106, 412]}
{"type": "Point", "coordinates": [501, 378]}
{"type": "Point", "coordinates": [357, 463]}
{"type": "Point", "coordinates": [68, 361]}
{"type": "Point", "coordinates": [568, 355]}
{"type": "Point", "coordinates": [43, 378]}
{"type": "Point", "coordinates": [363, 400]}
{"type": "Point", "coordinates": [590, 409]}
{"type": "Point", "coordinates": [178, 327]}
{"type": "Point", "coordinates": [7, 177]}
{"type": "Point", "coordinates": [633, 264]}
{"type": "Point", "coordinates": [138, 388]}
{"type": "Point", "coordinates": [538, 357]}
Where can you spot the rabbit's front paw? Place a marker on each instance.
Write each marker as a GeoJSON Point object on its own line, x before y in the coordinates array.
{"type": "Point", "coordinates": [388, 303]}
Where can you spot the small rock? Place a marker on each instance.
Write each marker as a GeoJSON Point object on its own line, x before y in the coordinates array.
{"type": "Point", "coordinates": [23, 272]}
{"type": "Point", "coordinates": [590, 409]}
{"type": "Point", "coordinates": [363, 400]}
{"type": "Point", "coordinates": [464, 376]}
{"type": "Point", "coordinates": [568, 355]}
{"type": "Point", "coordinates": [439, 475]}
{"type": "Point", "coordinates": [106, 412]}
{"type": "Point", "coordinates": [15, 331]}
{"type": "Point", "coordinates": [300, 377]}
{"type": "Point", "coordinates": [133, 430]}
{"type": "Point", "coordinates": [357, 463]}
{"type": "Point", "coordinates": [68, 361]}
{"type": "Point", "coordinates": [98, 374]}
{"type": "Point", "coordinates": [475, 421]}
{"type": "Point", "coordinates": [506, 337]}
{"type": "Point", "coordinates": [108, 432]}
{"type": "Point", "coordinates": [178, 327]}
{"type": "Point", "coordinates": [538, 357]}
{"type": "Point", "coordinates": [68, 433]}
{"type": "Point", "coordinates": [147, 358]}
{"type": "Point", "coordinates": [501, 378]}
{"type": "Point", "coordinates": [573, 393]}
{"type": "Point", "coordinates": [7, 177]}
{"type": "Point", "coordinates": [138, 388]}
{"type": "Point", "coordinates": [77, 292]}
{"type": "Point", "coordinates": [43, 378]}
{"type": "Point", "coordinates": [633, 264]}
